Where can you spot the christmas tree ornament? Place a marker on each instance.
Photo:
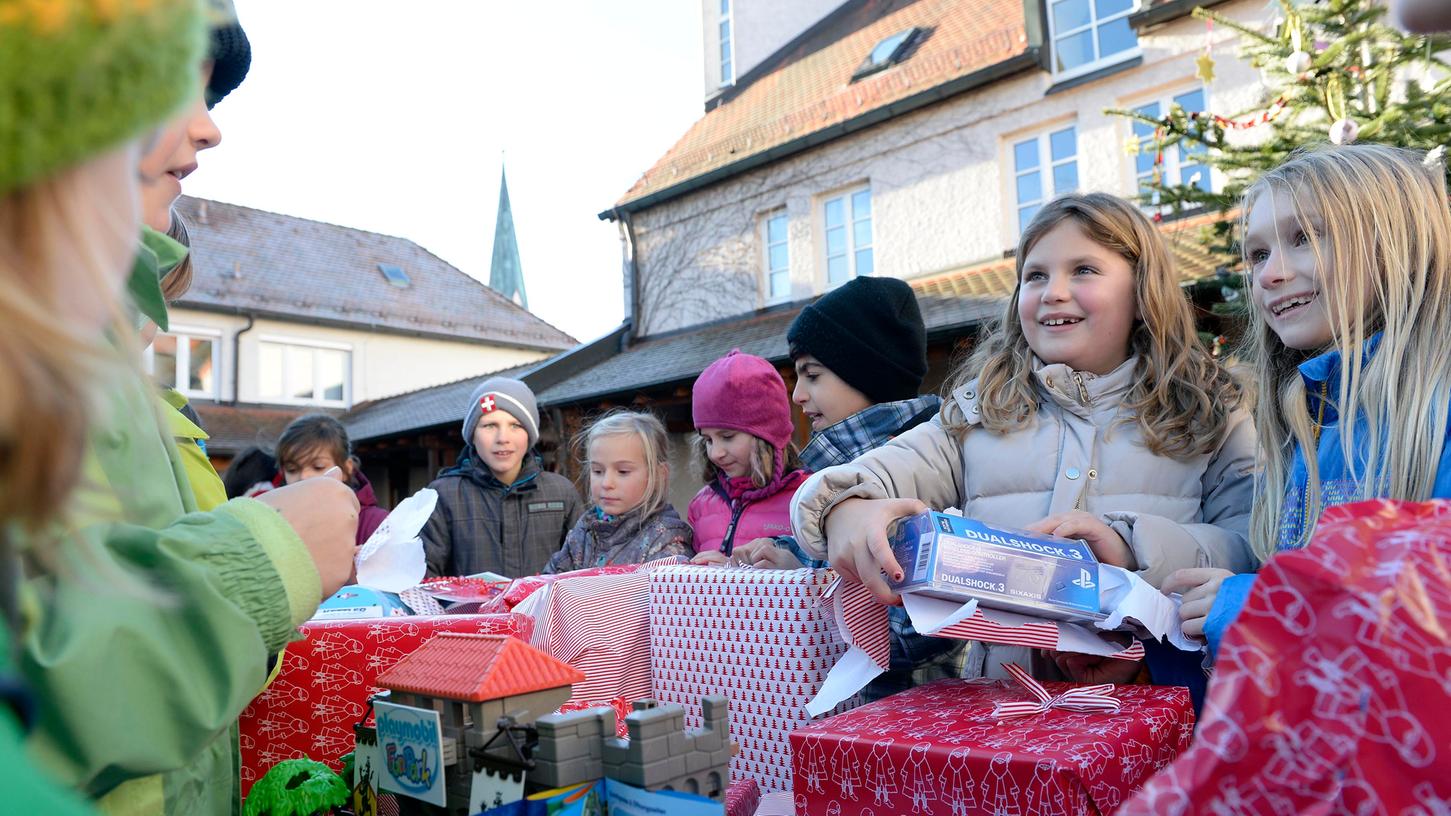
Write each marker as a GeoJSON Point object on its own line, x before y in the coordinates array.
{"type": "Point", "coordinates": [1344, 131]}
{"type": "Point", "coordinates": [1435, 157]}
{"type": "Point", "coordinates": [1132, 146]}
{"type": "Point", "coordinates": [1298, 62]}
{"type": "Point", "coordinates": [1205, 67]}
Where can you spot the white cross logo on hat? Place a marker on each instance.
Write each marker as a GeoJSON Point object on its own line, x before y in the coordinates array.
{"type": "Point", "coordinates": [487, 403]}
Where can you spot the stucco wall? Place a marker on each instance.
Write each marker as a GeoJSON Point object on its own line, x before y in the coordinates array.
{"type": "Point", "coordinates": [941, 180]}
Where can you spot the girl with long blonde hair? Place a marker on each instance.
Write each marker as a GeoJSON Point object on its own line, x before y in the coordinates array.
{"type": "Point", "coordinates": [1348, 251]}
{"type": "Point", "coordinates": [630, 519]}
{"type": "Point", "coordinates": [1089, 410]}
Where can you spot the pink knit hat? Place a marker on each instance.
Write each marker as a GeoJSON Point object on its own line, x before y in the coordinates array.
{"type": "Point", "coordinates": [742, 392]}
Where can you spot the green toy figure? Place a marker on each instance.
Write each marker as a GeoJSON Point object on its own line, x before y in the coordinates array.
{"type": "Point", "coordinates": [297, 787]}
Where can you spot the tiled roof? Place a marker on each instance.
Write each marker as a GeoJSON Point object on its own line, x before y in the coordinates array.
{"type": "Point", "coordinates": [426, 407]}
{"type": "Point", "coordinates": [806, 88]}
{"type": "Point", "coordinates": [231, 428]}
{"type": "Point", "coordinates": [476, 668]}
{"type": "Point", "coordinates": [253, 261]}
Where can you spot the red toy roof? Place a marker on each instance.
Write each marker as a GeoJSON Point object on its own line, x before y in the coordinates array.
{"type": "Point", "coordinates": [477, 668]}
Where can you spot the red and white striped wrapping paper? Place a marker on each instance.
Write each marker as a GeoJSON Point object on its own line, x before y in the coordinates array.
{"type": "Point", "coordinates": [599, 623]}
{"type": "Point", "coordinates": [763, 638]}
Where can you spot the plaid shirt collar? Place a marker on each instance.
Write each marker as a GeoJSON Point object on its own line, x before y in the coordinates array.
{"type": "Point", "coordinates": [868, 428]}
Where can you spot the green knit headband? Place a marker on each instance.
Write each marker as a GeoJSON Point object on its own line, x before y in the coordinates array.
{"type": "Point", "coordinates": [78, 77]}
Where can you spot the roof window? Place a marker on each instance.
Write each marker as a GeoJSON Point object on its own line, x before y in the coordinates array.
{"type": "Point", "coordinates": [890, 50]}
{"type": "Point", "coordinates": [395, 275]}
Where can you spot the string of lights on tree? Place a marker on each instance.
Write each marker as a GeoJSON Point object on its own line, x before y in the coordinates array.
{"type": "Point", "coordinates": [1334, 70]}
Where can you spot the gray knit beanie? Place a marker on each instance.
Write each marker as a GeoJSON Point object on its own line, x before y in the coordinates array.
{"type": "Point", "coordinates": [503, 394]}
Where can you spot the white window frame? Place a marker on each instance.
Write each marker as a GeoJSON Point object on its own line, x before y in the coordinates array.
{"type": "Point", "coordinates": [1093, 25]}
{"type": "Point", "coordinates": [726, 39]}
{"type": "Point", "coordinates": [316, 345]}
{"type": "Point", "coordinates": [768, 273]}
{"type": "Point", "coordinates": [182, 374]}
{"type": "Point", "coordinates": [1043, 143]}
{"type": "Point", "coordinates": [1173, 155]}
{"type": "Point", "coordinates": [849, 225]}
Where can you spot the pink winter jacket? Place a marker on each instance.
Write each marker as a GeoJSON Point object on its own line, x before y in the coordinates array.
{"type": "Point", "coordinates": [761, 516]}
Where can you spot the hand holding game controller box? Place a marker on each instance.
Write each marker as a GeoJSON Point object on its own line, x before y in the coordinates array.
{"type": "Point", "coordinates": [961, 559]}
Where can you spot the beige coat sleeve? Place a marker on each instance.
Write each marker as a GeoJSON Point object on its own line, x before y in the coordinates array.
{"type": "Point", "coordinates": [924, 463]}
{"type": "Point", "coordinates": [1221, 540]}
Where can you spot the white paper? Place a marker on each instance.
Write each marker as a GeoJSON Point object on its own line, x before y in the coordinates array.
{"type": "Point", "coordinates": [850, 675]}
{"type": "Point", "coordinates": [392, 558]}
{"type": "Point", "coordinates": [1132, 603]}
{"type": "Point", "coordinates": [932, 615]}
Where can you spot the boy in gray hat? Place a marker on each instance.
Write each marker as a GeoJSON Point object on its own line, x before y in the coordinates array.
{"type": "Point", "coordinates": [497, 510]}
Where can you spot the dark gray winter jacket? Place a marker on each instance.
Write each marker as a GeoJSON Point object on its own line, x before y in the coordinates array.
{"type": "Point", "coordinates": [481, 524]}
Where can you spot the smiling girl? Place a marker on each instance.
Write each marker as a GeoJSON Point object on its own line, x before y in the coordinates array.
{"type": "Point", "coordinates": [743, 442]}
{"type": "Point", "coordinates": [1090, 411]}
{"type": "Point", "coordinates": [1348, 250]}
{"type": "Point", "coordinates": [630, 520]}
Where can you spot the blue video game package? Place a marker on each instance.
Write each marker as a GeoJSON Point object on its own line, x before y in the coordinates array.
{"type": "Point", "coordinates": [956, 558]}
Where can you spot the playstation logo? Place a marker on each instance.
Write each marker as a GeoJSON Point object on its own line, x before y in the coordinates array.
{"type": "Point", "coordinates": [1084, 579]}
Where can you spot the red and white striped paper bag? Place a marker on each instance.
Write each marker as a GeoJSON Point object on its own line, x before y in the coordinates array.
{"type": "Point", "coordinates": [763, 638]}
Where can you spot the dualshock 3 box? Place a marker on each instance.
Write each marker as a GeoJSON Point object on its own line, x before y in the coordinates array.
{"type": "Point", "coordinates": [959, 559]}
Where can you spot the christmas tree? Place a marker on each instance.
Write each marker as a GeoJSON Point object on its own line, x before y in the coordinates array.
{"type": "Point", "coordinates": [1334, 70]}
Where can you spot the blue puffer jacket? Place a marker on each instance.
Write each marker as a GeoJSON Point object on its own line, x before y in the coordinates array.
{"type": "Point", "coordinates": [1337, 484]}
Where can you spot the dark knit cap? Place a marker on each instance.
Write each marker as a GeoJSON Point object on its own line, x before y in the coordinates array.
{"type": "Point", "coordinates": [230, 51]}
{"type": "Point", "coordinates": [869, 332]}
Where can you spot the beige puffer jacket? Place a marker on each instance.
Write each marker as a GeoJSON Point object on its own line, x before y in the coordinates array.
{"type": "Point", "coordinates": [1172, 513]}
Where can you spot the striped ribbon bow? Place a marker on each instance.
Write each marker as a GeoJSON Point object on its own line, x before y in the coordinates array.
{"type": "Point", "coordinates": [1083, 698]}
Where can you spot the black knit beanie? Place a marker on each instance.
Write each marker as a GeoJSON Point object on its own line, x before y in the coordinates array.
{"type": "Point", "coordinates": [869, 332]}
{"type": "Point", "coordinates": [230, 51]}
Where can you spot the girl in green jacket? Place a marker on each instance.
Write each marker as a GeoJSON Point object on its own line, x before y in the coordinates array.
{"type": "Point", "coordinates": [142, 628]}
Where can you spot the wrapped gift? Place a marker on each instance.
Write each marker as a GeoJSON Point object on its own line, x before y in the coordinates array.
{"type": "Point", "coordinates": [598, 621]}
{"type": "Point", "coordinates": [742, 798]}
{"type": "Point", "coordinates": [967, 747]}
{"type": "Point", "coordinates": [762, 638]}
{"type": "Point", "coordinates": [326, 680]}
{"type": "Point", "coordinates": [1327, 696]}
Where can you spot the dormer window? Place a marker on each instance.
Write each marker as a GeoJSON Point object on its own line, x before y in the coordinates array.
{"type": "Point", "coordinates": [887, 52]}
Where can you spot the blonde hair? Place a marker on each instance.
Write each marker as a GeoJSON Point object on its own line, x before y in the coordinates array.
{"type": "Point", "coordinates": [763, 460]}
{"type": "Point", "coordinates": [1388, 228]}
{"type": "Point", "coordinates": [654, 443]}
{"type": "Point", "coordinates": [177, 282]}
{"type": "Point", "coordinates": [56, 240]}
{"type": "Point", "coordinates": [1181, 397]}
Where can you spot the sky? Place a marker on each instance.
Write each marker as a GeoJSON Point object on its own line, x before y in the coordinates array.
{"type": "Point", "coordinates": [394, 117]}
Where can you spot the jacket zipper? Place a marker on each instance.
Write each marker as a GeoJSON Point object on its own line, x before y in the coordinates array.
{"type": "Point", "coordinates": [728, 542]}
{"type": "Point", "coordinates": [1082, 389]}
{"type": "Point", "coordinates": [1087, 402]}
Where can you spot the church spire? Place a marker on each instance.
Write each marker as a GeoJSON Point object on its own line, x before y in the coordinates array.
{"type": "Point", "coordinates": [506, 275]}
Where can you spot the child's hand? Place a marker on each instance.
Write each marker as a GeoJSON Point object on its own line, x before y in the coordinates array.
{"type": "Point", "coordinates": [856, 541]}
{"type": "Point", "coordinates": [1084, 668]}
{"type": "Point", "coordinates": [324, 513]}
{"type": "Point", "coordinates": [764, 554]}
{"type": "Point", "coordinates": [710, 558]}
{"type": "Point", "coordinates": [1108, 546]}
{"type": "Point", "coordinates": [1200, 586]}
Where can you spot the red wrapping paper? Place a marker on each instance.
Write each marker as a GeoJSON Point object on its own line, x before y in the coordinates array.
{"type": "Point", "coordinates": [327, 679]}
{"type": "Point", "coordinates": [742, 798]}
{"type": "Point", "coordinates": [938, 749]}
{"type": "Point", "coordinates": [1330, 689]}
